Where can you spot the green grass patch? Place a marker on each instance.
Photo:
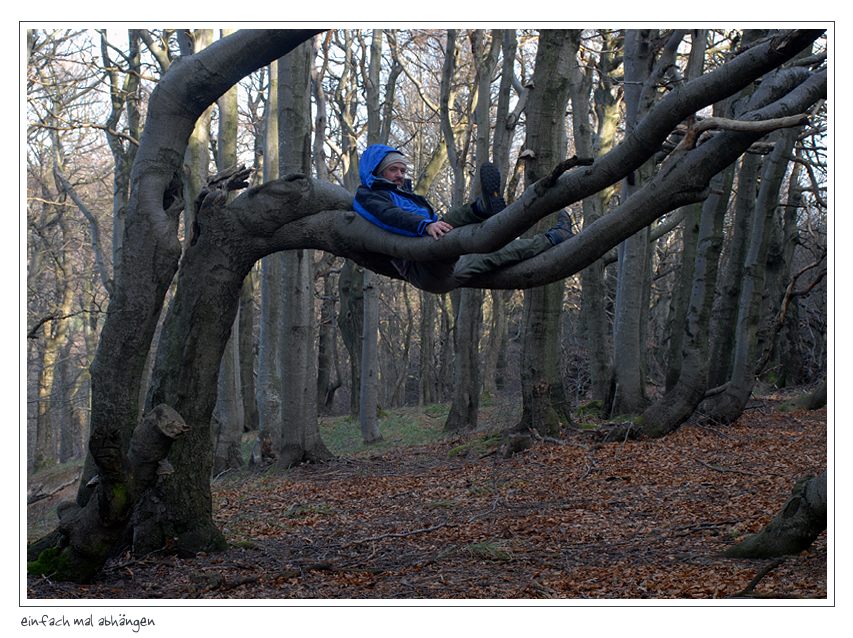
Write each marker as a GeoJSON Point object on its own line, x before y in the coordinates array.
{"type": "Point", "coordinates": [404, 427]}
{"type": "Point", "coordinates": [477, 446]}
{"type": "Point", "coordinates": [587, 426]}
{"type": "Point", "coordinates": [437, 411]}
{"type": "Point", "coordinates": [590, 409]}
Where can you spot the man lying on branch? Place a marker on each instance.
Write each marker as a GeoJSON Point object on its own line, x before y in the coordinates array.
{"type": "Point", "coordinates": [385, 199]}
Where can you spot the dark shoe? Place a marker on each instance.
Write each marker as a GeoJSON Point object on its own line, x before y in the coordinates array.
{"type": "Point", "coordinates": [562, 230]}
{"type": "Point", "coordinates": [490, 201]}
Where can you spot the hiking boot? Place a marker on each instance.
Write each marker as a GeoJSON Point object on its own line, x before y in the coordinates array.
{"type": "Point", "coordinates": [562, 230]}
{"type": "Point", "coordinates": [490, 200]}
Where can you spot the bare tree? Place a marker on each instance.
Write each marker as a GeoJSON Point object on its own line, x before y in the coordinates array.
{"type": "Point", "coordinates": [300, 212]}
{"type": "Point", "coordinates": [228, 415]}
{"type": "Point", "coordinates": [300, 433]}
{"type": "Point", "coordinates": [542, 392]}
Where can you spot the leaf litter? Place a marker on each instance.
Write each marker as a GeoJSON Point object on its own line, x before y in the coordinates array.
{"type": "Point", "coordinates": [569, 519]}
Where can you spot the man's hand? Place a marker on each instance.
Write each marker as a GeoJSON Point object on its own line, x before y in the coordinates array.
{"type": "Point", "coordinates": [437, 229]}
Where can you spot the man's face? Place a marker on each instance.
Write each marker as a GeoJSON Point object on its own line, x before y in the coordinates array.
{"type": "Point", "coordinates": [395, 173]}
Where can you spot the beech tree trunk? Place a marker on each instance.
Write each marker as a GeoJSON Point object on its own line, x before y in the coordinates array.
{"type": "Point", "coordinates": [465, 403]}
{"type": "Point", "coordinates": [681, 400]}
{"type": "Point", "coordinates": [328, 369]}
{"type": "Point", "coordinates": [298, 212]}
{"type": "Point", "coordinates": [246, 347]}
{"type": "Point", "coordinates": [350, 322]}
{"type": "Point", "coordinates": [543, 401]}
{"type": "Point", "coordinates": [350, 283]}
{"type": "Point", "coordinates": [268, 391]}
{"type": "Point", "coordinates": [727, 406]}
{"type": "Point", "coordinates": [595, 324]}
{"type": "Point", "coordinates": [368, 405]}
{"type": "Point", "coordinates": [47, 409]}
{"type": "Point", "coordinates": [642, 73]}
{"type": "Point", "coordinates": [494, 347]}
{"type": "Point", "coordinates": [300, 438]}
{"type": "Point", "coordinates": [228, 415]}
{"type": "Point", "coordinates": [794, 528]}
{"type": "Point", "coordinates": [428, 363]}
{"type": "Point", "coordinates": [368, 409]}
{"type": "Point", "coordinates": [149, 261]}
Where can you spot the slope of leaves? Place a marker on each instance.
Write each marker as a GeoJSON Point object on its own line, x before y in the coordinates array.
{"type": "Point", "coordinates": [569, 520]}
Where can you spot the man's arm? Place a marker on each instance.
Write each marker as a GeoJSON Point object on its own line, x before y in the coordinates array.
{"type": "Point", "coordinates": [378, 207]}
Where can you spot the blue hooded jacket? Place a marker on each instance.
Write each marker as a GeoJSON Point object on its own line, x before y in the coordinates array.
{"type": "Point", "coordinates": [382, 203]}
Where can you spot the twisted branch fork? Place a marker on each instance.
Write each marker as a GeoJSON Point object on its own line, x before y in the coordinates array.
{"type": "Point", "coordinates": [215, 193]}
{"type": "Point", "coordinates": [694, 130]}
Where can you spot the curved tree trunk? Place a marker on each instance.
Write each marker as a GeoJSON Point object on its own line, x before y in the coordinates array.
{"type": "Point", "coordinates": [727, 406]}
{"type": "Point", "coordinates": [794, 528]}
{"type": "Point", "coordinates": [680, 401]}
{"type": "Point", "coordinates": [150, 252]}
{"type": "Point", "coordinates": [294, 212]}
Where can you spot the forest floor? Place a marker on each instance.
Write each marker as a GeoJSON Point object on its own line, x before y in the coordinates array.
{"type": "Point", "coordinates": [454, 519]}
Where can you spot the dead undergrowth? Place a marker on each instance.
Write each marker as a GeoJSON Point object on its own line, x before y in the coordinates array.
{"type": "Point", "coordinates": [572, 519]}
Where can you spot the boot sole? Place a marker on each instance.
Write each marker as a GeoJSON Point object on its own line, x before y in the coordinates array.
{"type": "Point", "coordinates": [490, 188]}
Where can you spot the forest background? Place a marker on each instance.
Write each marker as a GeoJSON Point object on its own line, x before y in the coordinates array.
{"type": "Point", "coordinates": [63, 399]}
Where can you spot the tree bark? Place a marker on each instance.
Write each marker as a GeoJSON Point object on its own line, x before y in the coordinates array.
{"type": "Point", "coordinates": [328, 370]}
{"type": "Point", "coordinates": [727, 406]}
{"type": "Point", "coordinates": [296, 212]}
{"type": "Point", "coordinates": [350, 283]}
{"type": "Point", "coordinates": [350, 322]}
{"type": "Point", "coordinates": [595, 324]}
{"type": "Point", "coordinates": [368, 406]}
{"type": "Point", "coordinates": [268, 390]}
{"type": "Point", "coordinates": [542, 391]}
{"type": "Point", "coordinates": [300, 438]}
{"type": "Point", "coordinates": [427, 364]}
{"type": "Point", "coordinates": [794, 528]}
{"type": "Point", "coordinates": [680, 401]}
{"type": "Point", "coordinates": [149, 261]}
{"type": "Point", "coordinates": [465, 403]}
{"type": "Point", "coordinates": [87, 535]}
{"type": "Point", "coordinates": [47, 408]}
{"type": "Point", "coordinates": [368, 416]}
{"type": "Point", "coordinates": [228, 415]}
{"type": "Point", "coordinates": [725, 311]}
{"type": "Point", "coordinates": [642, 74]}
{"type": "Point", "coordinates": [247, 352]}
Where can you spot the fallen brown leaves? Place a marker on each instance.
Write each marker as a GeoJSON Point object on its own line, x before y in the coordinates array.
{"type": "Point", "coordinates": [572, 521]}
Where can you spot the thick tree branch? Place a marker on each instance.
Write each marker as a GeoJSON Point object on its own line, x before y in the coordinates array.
{"type": "Point", "coordinates": [684, 182]}
{"type": "Point", "coordinates": [761, 126]}
{"type": "Point", "coordinates": [299, 212]}
{"type": "Point", "coordinates": [641, 144]}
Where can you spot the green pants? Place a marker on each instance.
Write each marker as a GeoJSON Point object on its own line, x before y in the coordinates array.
{"type": "Point", "coordinates": [446, 275]}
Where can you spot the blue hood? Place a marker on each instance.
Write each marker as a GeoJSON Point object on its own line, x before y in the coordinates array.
{"type": "Point", "coordinates": [370, 159]}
